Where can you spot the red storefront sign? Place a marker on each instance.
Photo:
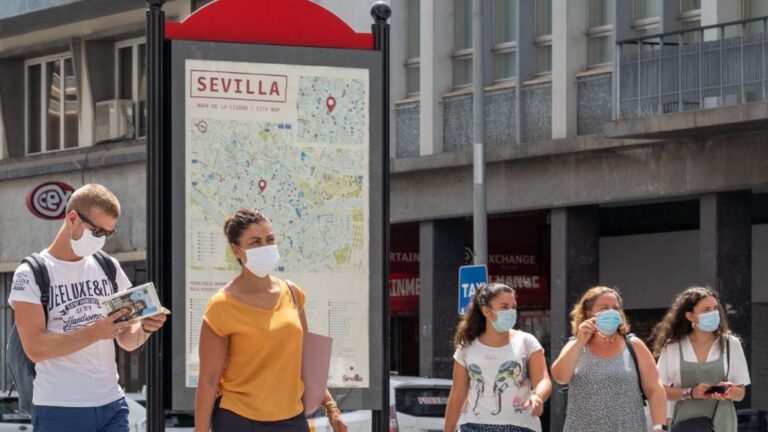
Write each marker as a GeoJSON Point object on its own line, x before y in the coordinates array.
{"type": "Point", "coordinates": [518, 255]}
{"type": "Point", "coordinates": [404, 282]}
{"type": "Point", "coordinates": [49, 200]}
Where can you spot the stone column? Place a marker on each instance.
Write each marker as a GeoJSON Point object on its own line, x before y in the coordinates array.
{"type": "Point", "coordinates": [441, 246]}
{"type": "Point", "coordinates": [575, 267]}
{"type": "Point", "coordinates": [726, 258]}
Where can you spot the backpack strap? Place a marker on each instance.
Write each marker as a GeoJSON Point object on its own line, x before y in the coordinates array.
{"type": "Point", "coordinates": [108, 266]}
{"type": "Point", "coordinates": [42, 279]}
{"type": "Point", "coordinates": [628, 339]}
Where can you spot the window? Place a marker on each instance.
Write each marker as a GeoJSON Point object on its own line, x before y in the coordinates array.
{"type": "Point", "coordinates": [412, 41]}
{"type": "Point", "coordinates": [52, 112]}
{"type": "Point", "coordinates": [131, 80]}
{"type": "Point", "coordinates": [462, 43]}
{"type": "Point", "coordinates": [504, 39]}
{"type": "Point", "coordinates": [600, 32]}
{"type": "Point", "coordinates": [690, 18]}
{"type": "Point", "coordinates": [647, 17]}
{"type": "Point", "coordinates": [543, 36]}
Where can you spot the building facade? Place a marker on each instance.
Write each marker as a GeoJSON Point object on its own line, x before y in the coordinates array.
{"type": "Point", "coordinates": [636, 163]}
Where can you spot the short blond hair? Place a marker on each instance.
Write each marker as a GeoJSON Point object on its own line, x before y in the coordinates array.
{"type": "Point", "coordinates": [94, 195]}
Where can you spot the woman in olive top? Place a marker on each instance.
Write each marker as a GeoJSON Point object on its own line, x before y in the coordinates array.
{"type": "Point", "coordinates": [251, 341]}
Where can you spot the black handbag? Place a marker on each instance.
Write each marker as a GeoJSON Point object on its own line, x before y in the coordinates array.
{"type": "Point", "coordinates": [704, 424]}
{"type": "Point", "coordinates": [696, 424]}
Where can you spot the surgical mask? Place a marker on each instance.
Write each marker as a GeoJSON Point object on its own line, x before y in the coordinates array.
{"type": "Point", "coordinates": [608, 321]}
{"type": "Point", "coordinates": [261, 261]}
{"type": "Point", "coordinates": [505, 320]}
{"type": "Point", "coordinates": [710, 321]}
{"type": "Point", "coordinates": [87, 244]}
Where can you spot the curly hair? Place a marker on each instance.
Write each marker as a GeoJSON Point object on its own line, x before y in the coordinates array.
{"type": "Point", "coordinates": [580, 311]}
{"type": "Point", "coordinates": [236, 223]}
{"type": "Point", "coordinates": [473, 322]}
{"type": "Point", "coordinates": [675, 326]}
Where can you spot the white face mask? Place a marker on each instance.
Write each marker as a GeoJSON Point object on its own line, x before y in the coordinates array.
{"type": "Point", "coordinates": [87, 244]}
{"type": "Point", "coordinates": [261, 261]}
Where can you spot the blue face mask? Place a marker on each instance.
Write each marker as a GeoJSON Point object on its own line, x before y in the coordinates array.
{"type": "Point", "coordinates": [608, 321]}
{"type": "Point", "coordinates": [710, 321]}
{"type": "Point", "coordinates": [505, 320]}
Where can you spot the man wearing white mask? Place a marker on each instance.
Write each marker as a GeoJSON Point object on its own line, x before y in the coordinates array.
{"type": "Point", "coordinates": [76, 383]}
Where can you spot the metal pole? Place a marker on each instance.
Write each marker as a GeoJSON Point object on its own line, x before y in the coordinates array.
{"type": "Point", "coordinates": [741, 61]}
{"type": "Point", "coordinates": [639, 80]}
{"type": "Point", "coordinates": [680, 41]}
{"type": "Point", "coordinates": [616, 76]}
{"type": "Point", "coordinates": [155, 205]}
{"type": "Point", "coordinates": [380, 11]}
{"type": "Point", "coordinates": [762, 57]}
{"type": "Point", "coordinates": [480, 213]}
{"type": "Point", "coordinates": [701, 70]}
{"type": "Point", "coordinates": [658, 76]}
{"type": "Point", "coordinates": [722, 66]}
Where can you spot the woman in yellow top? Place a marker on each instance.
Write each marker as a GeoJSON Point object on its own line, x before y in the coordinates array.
{"type": "Point", "coordinates": [251, 341]}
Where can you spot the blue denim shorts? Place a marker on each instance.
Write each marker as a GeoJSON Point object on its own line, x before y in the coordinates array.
{"type": "Point", "coordinates": [112, 417]}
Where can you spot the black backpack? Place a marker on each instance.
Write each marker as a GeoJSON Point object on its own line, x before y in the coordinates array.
{"type": "Point", "coordinates": [20, 367]}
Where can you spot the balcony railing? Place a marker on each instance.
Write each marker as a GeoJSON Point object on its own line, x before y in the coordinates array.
{"type": "Point", "coordinates": [694, 69]}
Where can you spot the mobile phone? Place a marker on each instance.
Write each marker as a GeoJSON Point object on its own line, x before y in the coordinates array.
{"type": "Point", "coordinates": [716, 389]}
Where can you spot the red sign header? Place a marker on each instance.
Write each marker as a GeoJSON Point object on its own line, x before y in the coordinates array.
{"type": "Point", "coordinates": [269, 22]}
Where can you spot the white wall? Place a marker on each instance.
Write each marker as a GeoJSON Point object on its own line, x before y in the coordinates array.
{"type": "Point", "coordinates": [651, 269]}
{"type": "Point", "coordinates": [357, 13]}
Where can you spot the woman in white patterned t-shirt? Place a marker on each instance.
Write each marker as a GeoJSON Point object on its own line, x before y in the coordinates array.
{"type": "Point", "coordinates": [500, 378]}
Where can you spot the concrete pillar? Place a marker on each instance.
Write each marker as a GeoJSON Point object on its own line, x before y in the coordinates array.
{"type": "Point", "coordinates": [623, 19]}
{"type": "Point", "coordinates": [396, 69]}
{"type": "Point", "coordinates": [526, 60]}
{"type": "Point", "coordinates": [436, 73]}
{"type": "Point", "coordinates": [670, 15]}
{"type": "Point", "coordinates": [726, 258]}
{"type": "Point", "coordinates": [441, 253]}
{"type": "Point", "coordinates": [575, 267]}
{"type": "Point", "coordinates": [569, 57]}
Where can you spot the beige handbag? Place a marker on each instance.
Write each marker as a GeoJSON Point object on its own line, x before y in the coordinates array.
{"type": "Point", "coordinates": [315, 363]}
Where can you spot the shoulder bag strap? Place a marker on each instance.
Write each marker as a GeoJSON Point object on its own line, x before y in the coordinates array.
{"type": "Point", "coordinates": [628, 340]}
{"type": "Point", "coordinates": [302, 314]}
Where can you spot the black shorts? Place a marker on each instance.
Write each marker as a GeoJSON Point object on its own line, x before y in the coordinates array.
{"type": "Point", "coordinates": [224, 420]}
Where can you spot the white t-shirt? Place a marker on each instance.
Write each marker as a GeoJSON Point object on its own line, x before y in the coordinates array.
{"type": "Point", "coordinates": [499, 384]}
{"type": "Point", "coordinates": [669, 362]}
{"type": "Point", "coordinates": [85, 378]}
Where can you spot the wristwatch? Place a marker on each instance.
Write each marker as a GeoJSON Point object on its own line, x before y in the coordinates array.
{"type": "Point", "coordinates": [660, 427]}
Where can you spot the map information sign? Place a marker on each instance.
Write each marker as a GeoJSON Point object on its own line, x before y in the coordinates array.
{"type": "Point", "coordinates": [293, 142]}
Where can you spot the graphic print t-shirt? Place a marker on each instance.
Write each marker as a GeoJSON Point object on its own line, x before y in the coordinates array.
{"type": "Point", "coordinates": [85, 378]}
{"type": "Point", "coordinates": [499, 385]}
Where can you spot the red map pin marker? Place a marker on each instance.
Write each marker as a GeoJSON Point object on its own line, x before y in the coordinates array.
{"type": "Point", "coordinates": [262, 185]}
{"type": "Point", "coordinates": [330, 103]}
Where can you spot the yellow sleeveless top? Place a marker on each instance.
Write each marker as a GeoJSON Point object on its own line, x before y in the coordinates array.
{"type": "Point", "coordinates": [262, 376]}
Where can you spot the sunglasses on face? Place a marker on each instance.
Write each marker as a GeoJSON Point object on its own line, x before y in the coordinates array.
{"type": "Point", "coordinates": [96, 231]}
